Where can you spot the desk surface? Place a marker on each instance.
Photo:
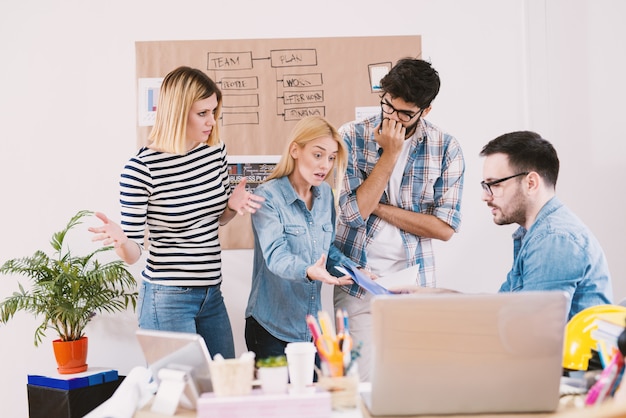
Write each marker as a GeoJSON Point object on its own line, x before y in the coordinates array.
{"type": "Point", "coordinates": [606, 410]}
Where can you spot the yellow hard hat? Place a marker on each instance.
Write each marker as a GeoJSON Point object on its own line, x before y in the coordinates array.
{"type": "Point", "coordinates": [578, 341]}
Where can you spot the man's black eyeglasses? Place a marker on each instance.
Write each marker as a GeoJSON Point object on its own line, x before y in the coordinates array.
{"type": "Point", "coordinates": [487, 184]}
{"type": "Point", "coordinates": [403, 115]}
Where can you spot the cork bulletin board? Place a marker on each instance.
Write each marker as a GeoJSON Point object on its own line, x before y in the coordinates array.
{"type": "Point", "coordinates": [267, 86]}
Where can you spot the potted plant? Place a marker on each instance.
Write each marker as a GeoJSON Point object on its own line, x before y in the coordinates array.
{"type": "Point", "coordinates": [66, 291]}
{"type": "Point", "coordinates": [272, 373]}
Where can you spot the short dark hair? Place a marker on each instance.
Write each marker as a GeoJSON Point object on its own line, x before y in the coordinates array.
{"type": "Point", "coordinates": [527, 151]}
{"type": "Point", "coordinates": [412, 80]}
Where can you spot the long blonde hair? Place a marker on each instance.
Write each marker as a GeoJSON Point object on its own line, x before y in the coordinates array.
{"type": "Point", "coordinates": [181, 88]}
{"type": "Point", "coordinates": [305, 131]}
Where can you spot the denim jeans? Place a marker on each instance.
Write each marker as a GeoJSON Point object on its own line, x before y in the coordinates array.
{"type": "Point", "coordinates": [192, 309]}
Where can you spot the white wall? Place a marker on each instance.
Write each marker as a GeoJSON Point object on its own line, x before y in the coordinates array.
{"type": "Point", "coordinates": [68, 120]}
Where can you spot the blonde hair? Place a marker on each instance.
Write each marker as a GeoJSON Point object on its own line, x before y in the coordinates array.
{"type": "Point", "coordinates": [180, 89]}
{"type": "Point", "coordinates": [305, 131]}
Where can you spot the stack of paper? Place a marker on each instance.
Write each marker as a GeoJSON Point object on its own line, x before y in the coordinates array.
{"type": "Point", "coordinates": [406, 278]}
{"type": "Point", "coordinates": [609, 326]}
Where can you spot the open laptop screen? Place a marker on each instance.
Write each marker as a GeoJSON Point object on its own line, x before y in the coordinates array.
{"type": "Point", "coordinates": [467, 353]}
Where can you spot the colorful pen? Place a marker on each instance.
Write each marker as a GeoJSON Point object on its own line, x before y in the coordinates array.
{"type": "Point", "coordinates": [325, 322]}
{"type": "Point", "coordinates": [340, 322]}
{"type": "Point", "coordinates": [313, 327]}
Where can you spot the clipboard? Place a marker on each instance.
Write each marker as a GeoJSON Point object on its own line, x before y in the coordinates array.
{"type": "Point", "coordinates": [364, 281]}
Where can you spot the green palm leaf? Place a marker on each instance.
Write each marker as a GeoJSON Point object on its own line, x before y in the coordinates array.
{"type": "Point", "coordinates": [67, 290]}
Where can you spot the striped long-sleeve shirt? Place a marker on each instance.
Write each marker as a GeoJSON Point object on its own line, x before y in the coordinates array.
{"type": "Point", "coordinates": [178, 200]}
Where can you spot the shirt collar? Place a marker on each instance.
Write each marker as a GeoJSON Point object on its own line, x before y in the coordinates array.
{"type": "Point", "coordinates": [550, 206]}
{"type": "Point", "coordinates": [289, 193]}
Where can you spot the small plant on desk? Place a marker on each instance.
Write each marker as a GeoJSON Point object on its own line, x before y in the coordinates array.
{"type": "Point", "coordinates": [272, 373]}
{"type": "Point", "coordinates": [276, 361]}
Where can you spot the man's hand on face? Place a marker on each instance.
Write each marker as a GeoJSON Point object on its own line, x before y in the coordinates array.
{"type": "Point", "coordinates": [390, 136]}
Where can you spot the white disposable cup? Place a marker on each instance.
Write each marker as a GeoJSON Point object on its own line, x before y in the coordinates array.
{"type": "Point", "coordinates": [301, 363]}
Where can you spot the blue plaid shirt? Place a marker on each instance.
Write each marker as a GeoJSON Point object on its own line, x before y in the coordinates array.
{"type": "Point", "coordinates": [432, 184]}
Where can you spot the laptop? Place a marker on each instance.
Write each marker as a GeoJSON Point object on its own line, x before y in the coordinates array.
{"type": "Point", "coordinates": [178, 351]}
{"type": "Point", "coordinates": [466, 353]}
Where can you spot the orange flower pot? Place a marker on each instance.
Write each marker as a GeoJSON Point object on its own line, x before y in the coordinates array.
{"type": "Point", "coordinates": [71, 356]}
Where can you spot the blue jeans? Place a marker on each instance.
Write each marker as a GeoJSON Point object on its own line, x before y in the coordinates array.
{"type": "Point", "coordinates": [192, 309]}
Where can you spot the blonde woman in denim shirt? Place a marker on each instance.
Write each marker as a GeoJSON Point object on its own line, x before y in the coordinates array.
{"type": "Point", "coordinates": [294, 231]}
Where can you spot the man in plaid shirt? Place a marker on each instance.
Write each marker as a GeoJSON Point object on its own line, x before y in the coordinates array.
{"type": "Point", "coordinates": [402, 188]}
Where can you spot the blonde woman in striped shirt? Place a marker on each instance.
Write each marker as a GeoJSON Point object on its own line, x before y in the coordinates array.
{"type": "Point", "coordinates": [176, 192]}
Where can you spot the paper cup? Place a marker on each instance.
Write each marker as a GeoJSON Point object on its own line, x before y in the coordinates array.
{"type": "Point", "coordinates": [301, 363]}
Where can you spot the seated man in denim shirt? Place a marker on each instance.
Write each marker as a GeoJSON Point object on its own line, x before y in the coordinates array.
{"type": "Point", "coordinates": [552, 248]}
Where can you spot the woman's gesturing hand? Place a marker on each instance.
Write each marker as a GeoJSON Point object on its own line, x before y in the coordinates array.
{"type": "Point", "coordinates": [318, 272]}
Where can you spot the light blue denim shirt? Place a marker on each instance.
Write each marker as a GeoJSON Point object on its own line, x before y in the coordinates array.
{"type": "Point", "coordinates": [288, 238]}
{"type": "Point", "coordinates": [559, 252]}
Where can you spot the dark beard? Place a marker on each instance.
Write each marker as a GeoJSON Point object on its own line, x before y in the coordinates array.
{"type": "Point", "coordinates": [410, 130]}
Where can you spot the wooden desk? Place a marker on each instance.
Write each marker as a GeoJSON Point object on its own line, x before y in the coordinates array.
{"type": "Point", "coordinates": [146, 413]}
{"type": "Point", "coordinates": [607, 410]}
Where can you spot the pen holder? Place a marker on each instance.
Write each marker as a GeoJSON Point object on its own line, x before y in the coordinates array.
{"type": "Point", "coordinates": [344, 391]}
{"type": "Point", "coordinates": [232, 377]}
